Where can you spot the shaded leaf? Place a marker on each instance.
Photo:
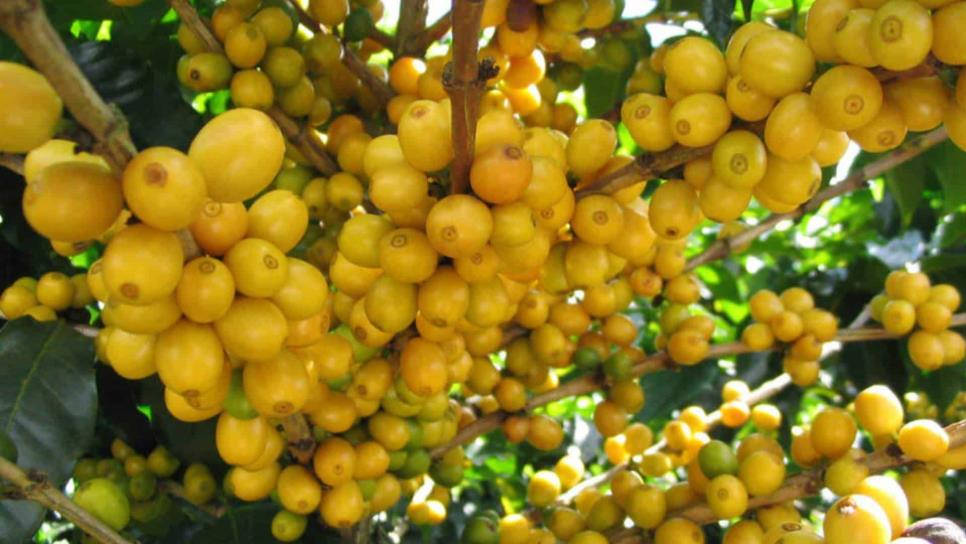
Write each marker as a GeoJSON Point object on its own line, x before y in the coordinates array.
{"type": "Point", "coordinates": [906, 183]}
{"type": "Point", "coordinates": [670, 389]}
{"type": "Point", "coordinates": [47, 406]}
{"type": "Point", "coordinates": [948, 162]}
{"type": "Point", "coordinates": [716, 15]}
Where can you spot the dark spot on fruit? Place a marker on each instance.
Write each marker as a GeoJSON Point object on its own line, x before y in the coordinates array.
{"type": "Point", "coordinates": [891, 29]}
{"type": "Point", "coordinates": [155, 174]}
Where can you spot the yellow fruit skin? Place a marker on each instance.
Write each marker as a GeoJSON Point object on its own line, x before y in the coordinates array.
{"type": "Point", "coordinates": [29, 108]}
{"type": "Point", "coordinates": [901, 34]}
{"type": "Point", "coordinates": [53, 152]}
{"type": "Point", "coordinates": [857, 518]}
{"type": "Point", "coordinates": [924, 492]}
{"type": "Point", "coordinates": [890, 496]}
{"type": "Point", "coordinates": [164, 188]}
{"type": "Point", "coordinates": [879, 410]}
{"type": "Point", "coordinates": [239, 152]}
{"type": "Point", "coordinates": [923, 440]}
{"type": "Point", "coordinates": [72, 201]}
{"type": "Point", "coordinates": [142, 265]}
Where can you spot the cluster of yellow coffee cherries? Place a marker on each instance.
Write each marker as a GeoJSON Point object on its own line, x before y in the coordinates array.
{"type": "Point", "coordinates": [41, 298]}
{"type": "Point", "coordinates": [407, 291]}
{"type": "Point", "coordinates": [721, 479]}
{"type": "Point", "coordinates": [792, 319]}
{"type": "Point", "coordinates": [911, 304]}
{"type": "Point", "coordinates": [766, 75]}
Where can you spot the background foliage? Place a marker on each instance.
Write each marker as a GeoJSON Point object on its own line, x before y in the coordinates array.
{"type": "Point", "coordinates": [50, 387]}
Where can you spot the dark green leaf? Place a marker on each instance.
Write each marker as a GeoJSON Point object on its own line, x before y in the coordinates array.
{"type": "Point", "coordinates": [716, 15]}
{"type": "Point", "coordinates": [603, 89]}
{"type": "Point", "coordinates": [247, 524]}
{"type": "Point", "coordinates": [949, 162]}
{"type": "Point", "coordinates": [906, 183]}
{"type": "Point", "coordinates": [670, 389]}
{"type": "Point", "coordinates": [943, 385]}
{"type": "Point", "coordinates": [47, 406]}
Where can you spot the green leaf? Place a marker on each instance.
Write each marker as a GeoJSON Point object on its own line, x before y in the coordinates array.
{"type": "Point", "coordinates": [603, 89]}
{"type": "Point", "coordinates": [716, 15]}
{"type": "Point", "coordinates": [47, 406]}
{"type": "Point", "coordinates": [670, 389]}
{"type": "Point", "coordinates": [948, 162]}
{"type": "Point", "coordinates": [906, 183]}
{"type": "Point", "coordinates": [943, 385]}
{"type": "Point", "coordinates": [248, 524]}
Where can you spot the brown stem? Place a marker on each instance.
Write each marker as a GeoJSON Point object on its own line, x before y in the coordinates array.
{"type": "Point", "coordinates": [12, 162]}
{"type": "Point", "coordinates": [382, 38]}
{"type": "Point", "coordinates": [464, 86]}
{"type": "Point", "coordinates": [34, 486]}
{"type": "Point", "coordinates": [652, 363]}
{"type": "Point", "coordinates": [301, 443]}
{"type": "Point", "coordinates": [26, 22]}
{"type": "Point", "coordinates": [721, 248]}
{"type": "Point", "coordinates": [417, 45]}
{"type": "Point", "coordinates": [177, 490]}
{"type": "Point", "coordinates": [380, 89]}
{"type": "Point", "coordinates": [310, 148]}
{"type": "Point", "coordinates": [412, 19]}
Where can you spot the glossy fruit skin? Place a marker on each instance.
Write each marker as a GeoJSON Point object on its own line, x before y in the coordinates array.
{"type": "Point", "coordinates": [679, 531]}
{"type": "Point", "coordinates": [856, 518]}
{"type": "Point", "coordinates": [239, 152]}
{"type": "Point", "coordinates": [280, 217]}
{"type": "Point", "coordinates": [105, 500]}
{"type": "Point", "coordinates": [29, 108]}
{"type": "Point", "coordinates": [699, 119]}
{"type": "Point", "coordinates": [888, 493]}
{"type": "Point", "coordinates": [189, 358]}
{"type": "Point", "coordinates": [219, 226]}
{"type": "Point", "coordinates": [259, 268]}
{"type": "Point", "coordinates": [142, 265]}
{"type": "Point", "coordinates": [252, 329]}
{"type": "Point", "coordinates": [422, 122]}
{"type": "Point", "coordinates": [879, 410]}
{"type": "Point", "coordinates": [72, 201]}
{"type": "Point", "coordinates": [833, 432]}
{"type": "Point", "coordinates": [240, 441]}
{"type": "Point", "coordinates": [924, 492]}
{"type": "Point", "coordinates": [164, 188]}
{"type": "Point", "coordinates": [923, 440]}
{"type": "Point", "coordinates": [901, 34]}
{"type": "Point", "coordinates": [53, 152]}
{"type": "Point", "coordinates": [777, 63]}
{"type": "Point", "coordinates": [206, 290]}
{"type": "Point", "coordinates": [847, 97]}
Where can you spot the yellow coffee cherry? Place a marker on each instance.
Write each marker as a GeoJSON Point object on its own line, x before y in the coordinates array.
{"type": "Point", "coordinates": [923, 440]}
{"type": "Point", "coordinates": [832, 433]}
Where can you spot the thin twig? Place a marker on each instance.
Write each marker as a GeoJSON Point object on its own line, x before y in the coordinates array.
{"type": "Point", "coordinates": [309, 147]}
{"type": "Point", "coordinates": [721, 248]}
{"type": "Point", "coordinates": [412, 19]}
{"type": "Point", "coordinates": [417, 45]}
{"type": "Point", "coordinates": [382, 38]}
{"type": "Point", "coordinates": [760, 394]}
{"type": "Point", "coordinates": [26, 22]}
{"type": "Point", "coordinates": [464, 86]}
{"type": "Point", "coordinates": [34, 486]}
{"type": "Point", "coordinates": [380, 89]}
{"type": "Point", "coordinates": [12, 162]}
{"type": "Point", "coordinates": [652, 363]}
